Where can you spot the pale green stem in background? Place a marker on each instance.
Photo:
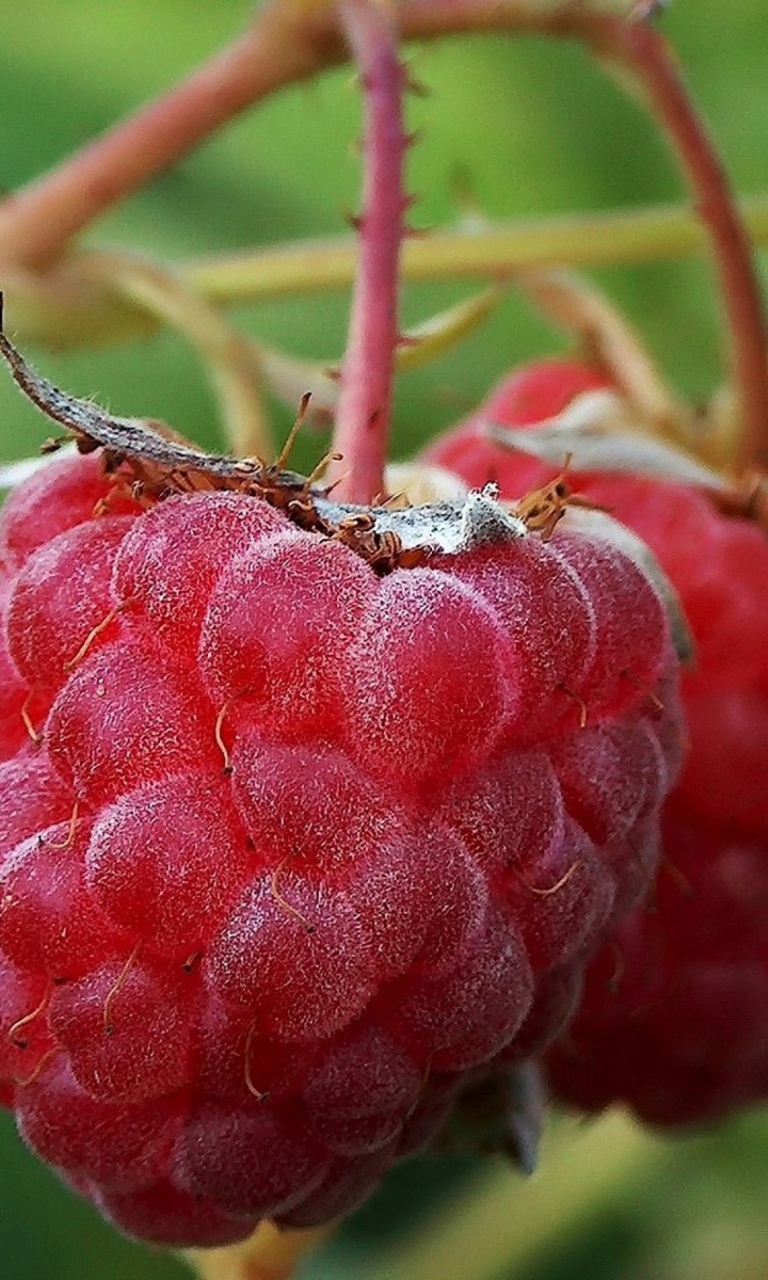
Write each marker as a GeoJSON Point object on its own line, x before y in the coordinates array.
{"type": "Point", "coordinates": [66, 308]}
{"type": "Point", "coordinates": [498, 250]}
{"type": "Point", "coordinates": [269, 1254]}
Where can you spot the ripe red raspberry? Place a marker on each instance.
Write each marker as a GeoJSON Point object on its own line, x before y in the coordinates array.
{"type": "Point", "coordinates": [299, 849]}
{"type": "Point", "coordinates": [672, 1019]}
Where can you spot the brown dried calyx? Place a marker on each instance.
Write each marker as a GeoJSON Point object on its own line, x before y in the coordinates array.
{"type": "Point", "coordinates": [153, 463]}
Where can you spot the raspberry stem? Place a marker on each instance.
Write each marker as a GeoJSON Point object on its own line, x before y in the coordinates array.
{"type": "Point", "coordinates": [643, 51]}
{"type": "Point", "coordinates": [365, 397]}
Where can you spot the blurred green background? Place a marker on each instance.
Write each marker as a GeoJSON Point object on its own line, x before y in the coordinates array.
{"type": "Point", "coordinates": [539, 130]}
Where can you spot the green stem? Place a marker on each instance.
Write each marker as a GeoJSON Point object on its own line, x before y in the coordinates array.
{"type": "Point", "coordinates": [72, 306]}
{"type": "Point", "coordinates": [269, 1254]}
{"type": "Point", "coordinates": [655, 233]}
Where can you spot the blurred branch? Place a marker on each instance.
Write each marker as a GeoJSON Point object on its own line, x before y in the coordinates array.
{"type": "Point", "coordinates": [286, 41]}
{"type": "Point", "coordinates": [645, 57]}
{"type": "Point", "coordinates": [496, 250]}
{"type": "Point", "coordinates": [73, 305]}
{"type": "Point", "coordinates": [504, 1224]}
{"type": "Point", "coordinates": [37, 222]}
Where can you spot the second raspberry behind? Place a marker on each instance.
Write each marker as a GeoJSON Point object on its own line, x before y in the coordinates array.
{"type": "Point", "coordinates": [672, 1021]}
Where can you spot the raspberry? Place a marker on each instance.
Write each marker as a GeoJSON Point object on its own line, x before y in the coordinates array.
{"type": "Point", "coordinates": [672, 1018]}
{"type": "Point", "coordinates": [299, 849]}
{"type": "Point", "coordinates": [671, 1021]}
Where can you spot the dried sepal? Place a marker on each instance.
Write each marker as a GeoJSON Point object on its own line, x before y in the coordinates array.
{"type": "Point", "coordinates": [155, 462]}
{"type": "Point", "coordinates": [500, 1115]}
{"type": "Point", "coordinates": [157, 458]}
{"type": "Point", "coordinates": [603, 432]}
{"type": "Point", "coordinates": [447, 527]}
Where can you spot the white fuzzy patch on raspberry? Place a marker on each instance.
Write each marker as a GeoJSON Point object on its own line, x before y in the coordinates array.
{"type": "Point", "coordinates": [452, 526]}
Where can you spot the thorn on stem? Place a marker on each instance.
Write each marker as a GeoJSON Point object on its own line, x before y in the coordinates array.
{"type": "Point", "coordinates": [417, 233]}
{"type": "Point", "coordinates": [415, 86]}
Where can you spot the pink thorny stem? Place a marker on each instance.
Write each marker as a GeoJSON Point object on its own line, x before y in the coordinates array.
{"type": "Point", "coordinates": [637, 46]}
{"type": "Point", "coordinates": [365, 397]}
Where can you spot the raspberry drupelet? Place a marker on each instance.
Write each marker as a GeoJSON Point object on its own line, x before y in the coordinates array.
{"type": "Point", "coordinates": [673, 1016]}
{"type": "Point", "coordinates": [296, 843]}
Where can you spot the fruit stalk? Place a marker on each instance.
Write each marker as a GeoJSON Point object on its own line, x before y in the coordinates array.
{"type": "Point", "coordinates": [362, 421]}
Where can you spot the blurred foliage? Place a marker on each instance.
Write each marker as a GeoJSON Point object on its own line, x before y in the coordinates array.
{"type": "Point", "coordinates": [539, 130]}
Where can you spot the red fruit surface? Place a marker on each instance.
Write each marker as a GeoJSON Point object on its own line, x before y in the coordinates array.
{"type": "Point", "coordinates": [298, 850]}
{"type": "Point", "coordinates": [672, 1020]}
{"type": "Point", "coordinates": [532, 394]}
